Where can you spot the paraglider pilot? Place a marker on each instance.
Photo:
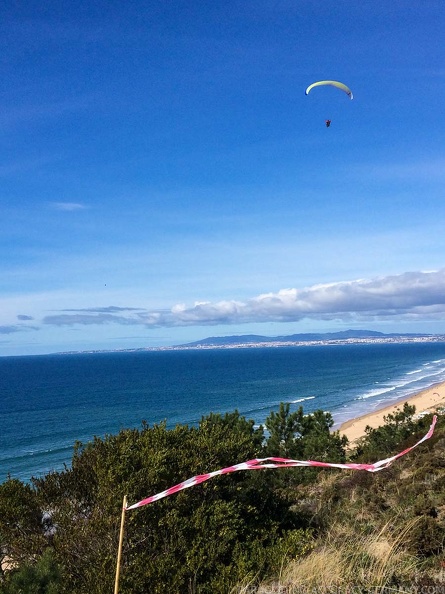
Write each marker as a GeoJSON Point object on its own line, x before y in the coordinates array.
{"type": "Point", "coordinates": [328, 123]}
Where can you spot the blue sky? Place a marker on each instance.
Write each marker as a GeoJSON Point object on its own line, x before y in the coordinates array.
{"type": "Point", "coordinates": [165, 178]}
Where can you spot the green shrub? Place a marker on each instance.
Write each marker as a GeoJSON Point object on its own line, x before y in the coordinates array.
{"type": "Point", "coordinates": [41, 577]}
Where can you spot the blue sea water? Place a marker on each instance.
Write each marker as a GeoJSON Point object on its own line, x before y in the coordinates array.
{"type": "Point", "coordinates": [48, 402]}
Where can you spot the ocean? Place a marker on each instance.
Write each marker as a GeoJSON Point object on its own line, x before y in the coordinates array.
{"type": "Point", "coordinates": [48, 402]}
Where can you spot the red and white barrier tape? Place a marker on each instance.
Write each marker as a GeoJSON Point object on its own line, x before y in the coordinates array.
{"type": "Point", "coordinates": [261, 463]}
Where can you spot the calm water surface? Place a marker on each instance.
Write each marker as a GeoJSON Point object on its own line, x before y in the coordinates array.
{"type": "Point", "coordinates": [48, 402]}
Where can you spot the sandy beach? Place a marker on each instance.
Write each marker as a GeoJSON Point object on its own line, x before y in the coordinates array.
{"type": "Point", "coordinates": [428, 400]}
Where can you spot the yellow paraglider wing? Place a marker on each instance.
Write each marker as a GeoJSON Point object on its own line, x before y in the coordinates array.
{"type": "Point", "coordinates": [332, 83]}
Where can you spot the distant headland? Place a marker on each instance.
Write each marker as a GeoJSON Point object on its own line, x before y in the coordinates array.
{"type": "Point", "coordinates": [246, 341]}
{"type": "Point", "coordinates": [311, 338]}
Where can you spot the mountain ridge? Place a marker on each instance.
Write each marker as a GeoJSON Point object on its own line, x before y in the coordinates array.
{"type": "Point", "coordinates": [302, 337]}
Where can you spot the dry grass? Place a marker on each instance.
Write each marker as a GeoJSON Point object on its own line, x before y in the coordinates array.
{"type": "Point", "coordinates": [347, 562]}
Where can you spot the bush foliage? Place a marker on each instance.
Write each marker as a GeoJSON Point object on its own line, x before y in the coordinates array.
{"type": "Point", "coordinates": [59, 534]}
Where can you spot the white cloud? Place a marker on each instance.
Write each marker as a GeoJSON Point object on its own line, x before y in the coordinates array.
{"type": "Point", "coordinates": [68, 206]}
{"type": "Point", "coordinates": [411, 295]}
{"type": "Point", "coordinates": [13, 328]}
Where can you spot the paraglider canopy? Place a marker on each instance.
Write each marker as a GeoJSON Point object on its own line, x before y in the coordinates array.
{"type": "Point", "coordinates": [332, 83]}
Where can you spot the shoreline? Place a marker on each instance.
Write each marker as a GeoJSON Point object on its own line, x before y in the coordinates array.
{"type": "Point", "coordinates": [426, 401]}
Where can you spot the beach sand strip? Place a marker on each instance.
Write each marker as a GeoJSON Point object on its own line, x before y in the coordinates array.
{"type": "Point", "coordinates": [428, 401]}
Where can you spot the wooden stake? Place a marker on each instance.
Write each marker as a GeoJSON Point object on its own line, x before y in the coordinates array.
{"type": "Point", "coordinates": [119, 551]}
